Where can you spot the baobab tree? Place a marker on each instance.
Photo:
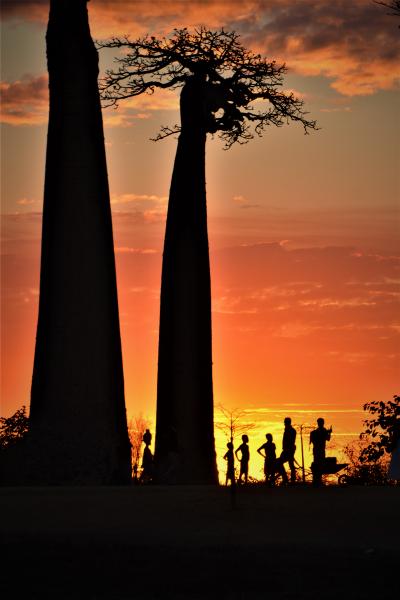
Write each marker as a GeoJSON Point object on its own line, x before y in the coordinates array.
{"type": "Point", "coordinates": [78, 429]}
{"type": "Point", "coordinates": [225, 90]}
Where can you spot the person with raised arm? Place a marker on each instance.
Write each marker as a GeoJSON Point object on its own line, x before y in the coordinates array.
{"type": "Point", "coordinates": [318, 439]}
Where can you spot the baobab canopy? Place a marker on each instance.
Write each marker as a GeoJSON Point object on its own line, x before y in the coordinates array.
{"type": "Point", "coordinates": [243, 90]}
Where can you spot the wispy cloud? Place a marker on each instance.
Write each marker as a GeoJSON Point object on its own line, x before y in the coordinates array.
{"type": "Point", "coordinates": [24, 102]}
{"type": "Point", "coordinates": [25, 201]}
{"type": "Point", "coordinates": [133, 198]}
{"type": "Point", "coordinates": [244, 203]}
{"type": "Point", "coordinates": [301, 298]}
{"type": "Point", "coordinates": [129, 250]}
{"type": "Point", "coordinates": [295, 409]}
{"type": "Point", "coordinates": [147, 208]}
{"type": "Point", "coordinates": [336, 109]}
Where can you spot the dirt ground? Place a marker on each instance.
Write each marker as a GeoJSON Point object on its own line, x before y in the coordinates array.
{"type": "Point", "coordinates": [183, 542]}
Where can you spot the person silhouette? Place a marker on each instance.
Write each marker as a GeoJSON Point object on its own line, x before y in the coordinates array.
{"type": "Point", "coordinates": [318, 438]}
{"type": "Point", "coordinates": [269, 459]}
{"type": "Point", "coordinates": [244, 458]}
{"type": "Point", "coordinates": [230, 467]}
{"type": "Point", "coordinates": [288, 451]}
{"type": "Point", "coordinates": [147, 461]}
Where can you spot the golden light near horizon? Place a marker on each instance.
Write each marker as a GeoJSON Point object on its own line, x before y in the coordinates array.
{"type": "Point", "coordinates": [303, 231]}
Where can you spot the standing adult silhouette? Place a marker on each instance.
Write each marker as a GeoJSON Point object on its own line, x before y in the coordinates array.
{"type": "Point", "coordinates": [318, 439]}
{"type": "Point", "coordinates": [288, 451]}
{"type": "Point", "coordinates": [147, 460]}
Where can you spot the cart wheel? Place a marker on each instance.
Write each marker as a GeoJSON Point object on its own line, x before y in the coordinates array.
{"type": "Point", "coordinates": [343, 480]}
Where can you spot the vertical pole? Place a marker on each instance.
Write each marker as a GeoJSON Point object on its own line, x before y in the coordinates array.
{"type": "Point", "coordinates": [302, 455]}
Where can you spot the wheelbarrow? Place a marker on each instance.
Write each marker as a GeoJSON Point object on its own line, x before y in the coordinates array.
{"type": "Point", "coordinates": [329, 466]}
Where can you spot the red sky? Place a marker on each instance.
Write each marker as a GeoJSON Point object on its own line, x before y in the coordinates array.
{"type": "Point", "coordinates": [303, 229]}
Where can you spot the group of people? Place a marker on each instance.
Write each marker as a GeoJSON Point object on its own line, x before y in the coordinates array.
{"type": "Point", "coordinates": [275, 466]}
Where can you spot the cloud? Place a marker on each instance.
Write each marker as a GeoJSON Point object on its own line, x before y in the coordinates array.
{"type": "Point", "coordinates": [33, 11]}
{"type": "Point", "coordinates": [159, 100]}
{"type": "Point", "coordinates": [128, 250]}
{"type": "Point", "coordinates": [336, 303]}
{"type": "Point", "coordinates": [295, 408]}
{"type": "Point", "coordinates": [25, 201]}
{"type": "Point", "coordinates": [345, 351]}
{"type": "Point", "coordinates": [146, 208]}
{"type": "Point", "coordinates": [336, 109]}
{"type": "Point", "coordinates": [140, 108]}
{"type": "Point", "coordinates": [229, 306]}
{"type": "Point", "coordinates": [243, 203]}
{"type": "Point", "coordinates": [121, 117]}
{"type": "Point", "coordinates": [353, 44]}
{"type": "Point", "coordinates": [128, 198]}
{"type": "Point", "coordinates": [25, 101]}
{"type": "Point", "coordinates": [335, 298]}
{"type": "Point", "coordinates": [313, 37]}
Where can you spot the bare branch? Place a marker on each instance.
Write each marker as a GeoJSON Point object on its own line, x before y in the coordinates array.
{"type": "Point", "coordinates": [394, 7]}
{"type": "Point", "coordinates": [166, 132]}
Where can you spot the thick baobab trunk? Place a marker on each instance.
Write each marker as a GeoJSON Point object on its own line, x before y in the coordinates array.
{"type": "Point", "coordinates": [185, 450]}
{"type": "Point", "coordinates": [78, 423]}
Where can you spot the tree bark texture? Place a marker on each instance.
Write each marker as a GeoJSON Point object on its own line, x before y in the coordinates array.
{"type": "Point", "coordinates": [77, 417]}
{"type": "Point", "coordinates": [185, 449]}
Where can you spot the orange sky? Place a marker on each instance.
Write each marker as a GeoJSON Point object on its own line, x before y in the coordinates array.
{"type": "Point", "coordinates": [303, 229]}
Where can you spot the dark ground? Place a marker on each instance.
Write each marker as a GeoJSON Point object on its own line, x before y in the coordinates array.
{"type": "Point", "coordinates": [183, 542]}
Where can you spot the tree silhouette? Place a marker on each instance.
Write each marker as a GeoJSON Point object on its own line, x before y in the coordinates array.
{"type": "Point", "coordinates": [77, 418]}
{"type": "Point", "coordinates": [225, 90]}
{"type": "Point", "coordinates": [381, 428]}
{"type": "Point", "coordinates": [359, 469]}
{"type": "Point", "coordinates": [13, 429]}
{"type": "Point", "coordinates": [232, 423]}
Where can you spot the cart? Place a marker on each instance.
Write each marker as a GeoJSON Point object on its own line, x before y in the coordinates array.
{"type": "Point", "coordinates": [329, 466]}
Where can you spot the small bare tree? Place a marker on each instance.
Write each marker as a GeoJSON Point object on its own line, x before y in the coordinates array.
{"type": "Point", "coordinates": [233, 423]}
{"type": "Point", "coordinates": [136, 428]}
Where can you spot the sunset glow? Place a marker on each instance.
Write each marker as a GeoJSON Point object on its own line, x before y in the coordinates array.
{"type": "Point", "coordinates": [303, 230]}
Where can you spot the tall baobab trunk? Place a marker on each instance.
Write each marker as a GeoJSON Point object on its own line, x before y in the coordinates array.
{"type": "Point", "coordinates": [185, 450]}
{"type": "Point", "coordinates": [77, 420]}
